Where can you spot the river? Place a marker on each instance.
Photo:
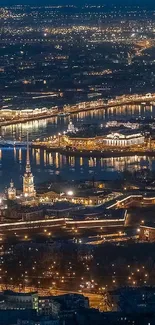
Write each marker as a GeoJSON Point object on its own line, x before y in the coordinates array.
{"type": "Point", "coordinates": [49, 166]}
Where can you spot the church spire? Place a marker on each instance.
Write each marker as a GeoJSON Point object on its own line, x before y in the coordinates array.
{"type": "Point", "coordinates": [28, 166]}
{"type": "Point", "coordinates": [28, 179]}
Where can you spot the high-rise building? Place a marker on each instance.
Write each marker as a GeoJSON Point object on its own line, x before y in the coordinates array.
{"type": "Point", "coordinates": [28, 178]}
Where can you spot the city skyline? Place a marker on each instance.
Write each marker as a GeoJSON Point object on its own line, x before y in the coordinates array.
{"type": "Point", "coordinates": [77, 162]}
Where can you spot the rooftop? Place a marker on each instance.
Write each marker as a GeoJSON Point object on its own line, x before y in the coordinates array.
{"type": "Point", "coordinates": [13, 293]}
{"type": "Point", "coordinates": [99, 212]}
{"type": "Point", "coordinates": [149, 224]}
{"type": "Point", "coordinates": [125, 133]}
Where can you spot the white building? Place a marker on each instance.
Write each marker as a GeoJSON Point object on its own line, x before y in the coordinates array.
{"type": "Point", "coordinates": [71, 128]}
{"type": "Point", "coordinates": [124, 139]}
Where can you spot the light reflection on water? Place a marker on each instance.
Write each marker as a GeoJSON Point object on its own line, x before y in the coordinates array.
{"type": "Point", "coordinates": [54, 125]}
{"type": "Point", "coordinates": [47, 166]}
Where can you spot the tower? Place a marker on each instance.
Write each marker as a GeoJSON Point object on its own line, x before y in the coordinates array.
{"type": "Point", "coordinates": [71, 128]}
{"type": "Point", "coordinates": [28, 178]}
{"type": "Point", "coordinates": [129, 59]}
{"type": "Point", "coordinates": [11, 191]}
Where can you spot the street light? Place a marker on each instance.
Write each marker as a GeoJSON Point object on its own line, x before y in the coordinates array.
{"type": "Point", "coordinates": [70, 193]}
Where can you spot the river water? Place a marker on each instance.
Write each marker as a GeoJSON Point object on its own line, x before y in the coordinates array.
{"type": "Point", "coordinates": [50, 166]}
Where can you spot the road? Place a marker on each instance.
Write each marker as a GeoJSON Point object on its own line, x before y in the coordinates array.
{"type": "Point", "coordinates": [95, 300]}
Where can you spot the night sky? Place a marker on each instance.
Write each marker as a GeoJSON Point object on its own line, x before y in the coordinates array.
{"type": "Point", "coordinates": [76, 2]}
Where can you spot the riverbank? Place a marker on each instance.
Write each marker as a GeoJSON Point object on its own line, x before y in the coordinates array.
{"type": "Point", "coordinates": [74, 110]}
{"type": "Point", "coordinates": [96, 153]}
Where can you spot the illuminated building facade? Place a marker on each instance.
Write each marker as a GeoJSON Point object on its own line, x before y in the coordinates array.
{"type": "Point", "coordinates": [71, 128]}
{"type": "Point", "coordinates": [81, 142]}
{"type": "Point", "coordinates": [88, 200]}
{"type": "Point", "coordinates": [124, 139]}
{"type": "Point", "coordinates": [28, 179]}
{"type": "Point", "coordinates": [11, 191]}
{"type": "Point", "coordinates": [147, 232]}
